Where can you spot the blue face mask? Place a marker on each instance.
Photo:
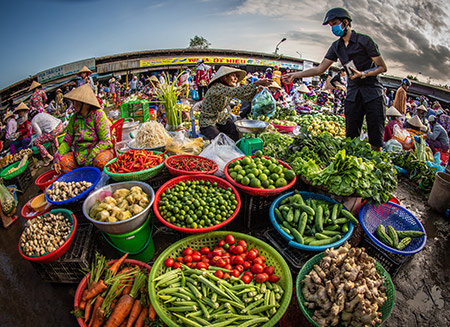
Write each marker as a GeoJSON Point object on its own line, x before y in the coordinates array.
{"type": "Point", "coordinates": [338, 30]}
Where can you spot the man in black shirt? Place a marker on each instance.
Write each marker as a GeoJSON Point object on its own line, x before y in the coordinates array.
{"type": "Point", "coordinates": [360, 57]}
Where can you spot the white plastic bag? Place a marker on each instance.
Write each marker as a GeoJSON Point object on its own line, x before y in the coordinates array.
{"type": "Point", "coordinates": [221, 150]}
{"type": "Point", "coordinates": [263, 104]}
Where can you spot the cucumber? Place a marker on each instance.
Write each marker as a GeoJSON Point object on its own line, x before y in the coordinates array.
{"type": "Point", "coordinates": [319, 219]}
{"type": "Point", "coordinates": [326, 241]}
{"type": "Point", "coordinates": [348, 214]}
{"type": "Point", "coordinates": [278, 215]}
{"type": "Point", "coordinates": [332, 227]}
{"type": "Point", "coordinates": [288, 231]}
{"type": "Point", "coordinates": [297, 236]}
{"type": "Point", "coordinates": [393, 235]}
{"type": "Point", "coordinates": [309, 239]}
{"type": "Point", "coordinates": [320, 236]}
{"type": "Point", "coordinates": [302, 223]}
{"type": "Point", "coordinates": [341, 221]}
{"type": "Point", "coordinates": [285, 200]}
{"type": "Point", "coordinates": [331, 232]}
{"type": "Point", "coordinates": [326, 212]}
{"type": "Point", "coordinates": [344, 228]}
{"type": "Point", "coordinates": [382, 236]}
{"type": "Point", "coordinates": [403, 243]}
{"type": "Point", "coordinates": [334, 213]}
{"type": "Point", "coordinates": [297, 213]}
{"type": "Point", "coordinates": [290, 215]}
{"type": "Point", "coordinates": [303, 207]}
{"type": "Point", "coordinates": [409, 233]}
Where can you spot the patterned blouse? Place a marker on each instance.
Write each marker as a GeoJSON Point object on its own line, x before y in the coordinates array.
{"type": "Point", "coordinates": [37, 100]}
{"type": "Point", "coordinates": [87, 137]}
{"type": "Point", "coordinates": [218, 98]}
{"type": "Point", "coordinates": [444, 120]}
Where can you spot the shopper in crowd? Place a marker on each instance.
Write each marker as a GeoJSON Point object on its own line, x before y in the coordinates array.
{"type": "Point", "coordinates": [87, 141]}
{"type": "Point", "coordinates": [443, 119]}
{"type": "Point", "coordinates": [133, 85]}
{"type": "Point", "coordinates": [362, 59]}
{"type": "Point", "coordinates": [393, 116]}
{"type": "Point", "coordinates": [268, 73]}
{"type": "Point", "coordinates": [400, 96]}
{"type": "Point", "coordinates": [23, 129]}
{"type": "Point", "coordinates": [215, 113]}
{"type": "Point", "coordinates": [183, 83]}
{"type": "Point", "coordinates": [275, 90]}
{"type": "Point", "coordinates": [437, 137]}
{"type": "Point", "coordinates": [11, 130]}
{"type": "Point", "coordinates": [84, 77]}
{"type": "Point", "coordinates": [38, 98]}
{"type": "Point", "coordinates": [59, 100]}
{"type": "Point", "coordinates": [288, 86]}
{"type": "Point", "coordinates": [202, 77]}
{"type": "Point", "coordinates": [47, 129]}
{"type": "Point", "coordinates": [276, 75]}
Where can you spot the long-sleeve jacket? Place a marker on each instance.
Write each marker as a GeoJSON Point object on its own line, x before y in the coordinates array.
{"type": "Point", "coordinates": [438, 133]}
{"type": "Point", "coordinates": [218, 98]}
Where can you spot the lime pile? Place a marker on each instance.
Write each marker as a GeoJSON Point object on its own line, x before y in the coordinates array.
{"type": "Point", "coordinates": [260, 172]}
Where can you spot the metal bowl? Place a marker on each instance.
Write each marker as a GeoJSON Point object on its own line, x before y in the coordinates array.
{"type": "Point", "coordinates": [251, 126]}
{"type": "Point", "coordinates": [119, 227]}
{"type": "Point", "coordinates": [133, 145]}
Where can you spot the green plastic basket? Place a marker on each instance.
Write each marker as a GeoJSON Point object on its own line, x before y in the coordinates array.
{"type": "Point", "coordinates": [211, 239]}
{"type": "Point", "coordinates": [142, 175]}
{"type": "Point", "coordinates": [386, 309]}
{"type": "Point", "coordinates": [16, 173]}
{"type": "Point", "coordinates": [36, 150]}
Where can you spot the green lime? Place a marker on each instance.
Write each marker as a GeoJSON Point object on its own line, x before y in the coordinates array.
{"type": "Point", "coordinates": [280, 182]}
{"type": "Point", "coordinates": [278, 170]}
{"type": "Point", "coordinates": [245, 181]}
{"type": "Point", "coordinates": [289, 174]}
{"type": "Point", "coordinates": [274, 176]}
{"type": "Point", "coordinates": [265, 183]}
{"type": "Point", "coordinates": [252, 165]}
{"type": "Point", "coordinates": [272, 167]}
{"type": "Point", "coordinates": [238, 178]}
{"type": "Point", "coordinates": [271, 187]}
{"type": "Point", "coordinates": [246, 161]}
{"type": "Point", "coordinates": [251, 175]}
{"type": "Point", "coordinates": [255, 182]}
{"type": "Point", "coordinates": [255, 171]}
{"type": "Point", "coordinates": [266, 171]}
{"type": "Point", "coordinates": [237, 167]}
{"type": "Point", "coordinates": [233, 174]}
{"type": "Point", "coordinates": [262, 177]}
{"type": "Point", "coordinates": [258, 154]}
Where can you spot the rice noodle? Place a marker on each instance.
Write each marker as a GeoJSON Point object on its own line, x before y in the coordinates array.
{"type": "Point", "coordinates": [151, 134]}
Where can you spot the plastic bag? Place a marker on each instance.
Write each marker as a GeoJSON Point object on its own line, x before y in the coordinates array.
{"type": "Point", "coordinates": [7, 201]}
{"type": "Point", "coordinates": [221, 150]}
{"type": "Point", "coordinates": [263, 104]}
{"type": "Point", "coordinates": [194, 95]}
{"type": "Point", "coordinates": [181, 144]}
{"type": "Point", "coordinates": [401, 134]}
{"type": "Point", "coordinates": [393, 146]}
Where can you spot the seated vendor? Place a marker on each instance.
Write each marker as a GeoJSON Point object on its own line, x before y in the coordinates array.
{"type": "Point", "coordinates": [87, 141]}
{"type": "Point", "coordinates": [415, 124]}
{"type": "Point", "coordinates": [23, 129]}
{"type": "Point", "coordinates": [394, 117]}
{"type": "Point", "coordinates": [437, 138]}
{"type": "Point", "coordinates": [275, 90]}
{"type": "Point", "coordinates": [298, 97]}
{"type": "Point", "coordinates": [215, 114]}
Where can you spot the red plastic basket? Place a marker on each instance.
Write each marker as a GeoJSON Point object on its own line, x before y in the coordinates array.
{"type": "Point", "coordinates": [259, 191]}
{"type": "Point", "coordinates": [46, 179]}
{"type": "Point", "coordinates": [83, 284]}
{"type": "Point", "coordinates": [220, 183]}
{"type": "Point", "coordinates": [178, 172]}
{"type": "Point", "coordinates": [52, 256]}
{"type": "Point", "coordinates": [284, 129]}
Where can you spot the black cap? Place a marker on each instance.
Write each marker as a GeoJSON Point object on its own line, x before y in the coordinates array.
{"type": "Point", "coordinates": [336, 13]}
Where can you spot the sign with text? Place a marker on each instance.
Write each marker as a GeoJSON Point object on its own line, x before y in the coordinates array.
{"type": "Point", "coordinates": [65, 70]}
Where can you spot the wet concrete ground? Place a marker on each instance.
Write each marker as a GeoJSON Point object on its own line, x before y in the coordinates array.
{"type": "Point", "coordinates": [422, 285]}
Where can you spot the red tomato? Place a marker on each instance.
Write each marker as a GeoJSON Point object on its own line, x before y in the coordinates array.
{"type": "Point", "coordinates": [231, 248]}
{"type": "Point", "coordinates": [244, 255]}
{"type": "Point", "coordinates": [193, 265]}
{"type": "Point", "coordinates": [238, 260]}
{"type": "Point", "coordinates": [227, 261]}
{"type": "Point", "coordinates": [196, 257]}
{"type": "Point", "coordinates": [205, 260]}
{"type": "Point", "coordinates": [187, 251]}
{"type": "Point", "coordinates": [201, 265]}
{"type": "Point", "coordinates": [196, 252]}
{"type": "Point", "coordinates": [180, 259]}
{"type": "Point", "coordinates": [204, 250]}
{"type": "Point", "coordinates": [251, 255]}
{"type": "Point", "coordinates": [240, 268]}
{"type": "Point", "coordinates": [220, 262]}
{"type": "Point", "coordinates": [274, 278]}
{"type": "Point", "coordinates": [246, 279]}
{"type": "Point", "coordinates": [257, 268]}
{"type": "Point", "coordinates": [232, 259]}
{"type": "Point", "coordinates": [255, 250]}
{"type": "Point", "coordinates": [228, 267]}
{"type": "Point", "coordinates": [221, 243]}
{"type": "Point", "coordinates": [247, 265]}
{"type": "Point", "coordinates": [210, 255]}
{"type": "Point", "coordinates": [217, 252]}
{"type": "Point", "coordinates": [226, 255]}
{"type": "Point", "coordinates": [257, 260]}
{"type": "Point", "coordinates": [261, 278]}
{"type": "Point", "coordinates": [176, 265]}
{"type": "Point", "coordinates": [248, 273]}
{"type": "Point", "coordinates": [229, 239]}
{"type": "Point", "coordinates": [169, 262]}
{"type": "Point", "coordinates": [187, 259]}
{"type": "Point", "coordinates": [243, 244]}
{"type": "Point", "coordinates": [219, 274]}
{"type": "Point", "coordinates": [263, 258]}
{"type": "Point", "coordinates": [269, 270]}
{"type": "Point", "coordinates": [226, 276]}
{"type": "Point", "coordinates": [238, 249]}
{"type": "Point", "coordinates": [235, 273]}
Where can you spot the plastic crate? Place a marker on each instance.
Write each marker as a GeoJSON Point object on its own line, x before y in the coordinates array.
{"type": "Point", "coordinates": [132, 108]}
{"type": "Point", "coordinates": [390, 261]}
{"type": "Point", "coordinates": [22, 181]}
{"type": "Point", "coordinates": [69, 268]}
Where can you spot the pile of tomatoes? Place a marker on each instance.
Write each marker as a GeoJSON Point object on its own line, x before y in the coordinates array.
{"type": "Point", "coordinates": [233, 257]}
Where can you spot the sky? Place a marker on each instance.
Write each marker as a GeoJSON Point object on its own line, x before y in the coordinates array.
{"type": "Point", "coordinates": [413, 35]}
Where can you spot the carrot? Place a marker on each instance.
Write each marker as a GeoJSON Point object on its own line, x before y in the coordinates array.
{"type": "Point", "coordinates": [115, 266]}
{"type": "Point", "coordinates": [83, 298]}
{"type": "Point", "coordinates": [99, 287]}
{"type": "Point", "coordinates": [126, 289]}
{"type": "Point", "coordinates": [151, 312]}
{"type": "Point", "coordinates": [87, 311]}
{"type": "Point", "coordinates": [134, 314]}
{"type": "Point", "coordinates": [98, 318]}
{"type": "Point", "coordinates": [140, 320]}
{"type": "Point", "coordinates": [98, 302]}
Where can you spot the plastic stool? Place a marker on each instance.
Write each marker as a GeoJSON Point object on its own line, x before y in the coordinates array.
{"type": "Point", "coordinates": [116, 133]}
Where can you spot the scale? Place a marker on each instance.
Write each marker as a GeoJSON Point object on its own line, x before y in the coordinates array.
{"type": "Point", "coordinates": [250, 143]}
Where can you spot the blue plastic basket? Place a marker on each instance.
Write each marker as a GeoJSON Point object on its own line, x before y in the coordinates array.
{"type": "Point", "coordinates": [88, 174]}
{"type": "Point", "coordinates": [290, 239]}
{"type": "Point", "coordinates": [398, 217]}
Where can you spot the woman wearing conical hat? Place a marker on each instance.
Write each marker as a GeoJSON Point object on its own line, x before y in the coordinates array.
{"type": "Point", "coordinates": [85, 77]}
{"type": "Point", "coordinates": [87, 141]}
{"type": "Point", "coordinates": [394, 117]}
{"type": "Point", "coordinates": [23, 129]}
{"type": "Point", "coordinates": [223, 87]}
{"type": "Point", "coordinates": [38, 98]}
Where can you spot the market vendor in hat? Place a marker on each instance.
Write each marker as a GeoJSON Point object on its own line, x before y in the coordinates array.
{"type": "Point", "coordinates": [11, 129]}
{"type": "Point", "coordinates": [363, 62]}
{"type": "Point", "coordinates": [38, 98]}
{"type": "Point", "coordinates": [215, 114]}
{"type": "Point", "coordinates": [422, 114]}
{"type": "Point", "coordinates": [394, 117]}
{"type": "Point", "coordinates": [275, 90]}
{"type": "Point", "coordinates": [23, 129]}
{"type": "Point", "coordinates": [84, 77]}
{"type": "Point", "coordinates": [87, 141]}
{"type": "Point", "coordinates": [437, 137]}
{"type": "Point", "coordinates": [416, 124]}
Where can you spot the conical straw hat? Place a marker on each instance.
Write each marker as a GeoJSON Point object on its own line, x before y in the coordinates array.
{"type": "Point", "coordinates": [153, 78]}
{"type": "Point", "coordinates": [422, 107]}
{"type": "Point", "coordinates": [84, 70]}
{"type": "Point", "coordinates": [83, 94]}
{"type": "Point", "coordinates": [34, 85]}
{"type": "Point", "coordinates": [22, 106]}
{"type": "Point", "coordinates": [392, 111]}
{"type": "Point", "coordinates": [8, 115]}
{"type": "Point", "coordinates": [274, 85]}
{"type": "Point", "coordinates": [302, 89]}
{"type": "Point", "coordinates": [224, 70]}
{"type": "Point", "coordinates": [415, 121]}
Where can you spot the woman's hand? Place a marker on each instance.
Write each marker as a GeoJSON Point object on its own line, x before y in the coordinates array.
{"type": "Point", "coordinates": [263, 82]}
{"type": "Point", "coordinates": [57, 167]}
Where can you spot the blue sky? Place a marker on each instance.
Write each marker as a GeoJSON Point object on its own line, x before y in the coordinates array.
{"type": "Point", "coordinates": [413, 35]}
